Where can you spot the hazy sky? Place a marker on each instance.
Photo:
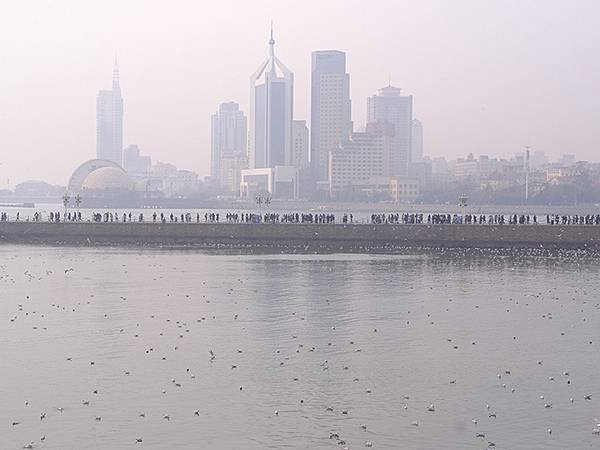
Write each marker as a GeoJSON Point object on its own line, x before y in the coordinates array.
{"type": "Point", "coordinates": [487, 76]}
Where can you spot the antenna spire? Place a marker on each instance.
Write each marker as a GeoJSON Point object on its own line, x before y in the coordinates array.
{"type": "Point", "coordinates": [272, 50]}
{"type": "Point", "coordinates": [115, 83]}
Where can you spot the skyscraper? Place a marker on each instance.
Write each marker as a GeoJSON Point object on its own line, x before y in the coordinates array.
{"type": "Point", "coordinates": [228, 137]}
{"type": "Point", "coordinates": [109, 121]}
{"type": "Point", "coordinates": [390, 106]}
{"type": "Point", "coordinates": [271, 113]}
{"type": "Point", "coordinates": [416, 145]}
{"type": "Point", "coordinates": [330, 118]}
{"type": "Point", "coordinates": [299, 144]}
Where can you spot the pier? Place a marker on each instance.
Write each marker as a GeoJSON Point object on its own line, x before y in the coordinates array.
{"type": "Point", "coordinates": [308, 237]}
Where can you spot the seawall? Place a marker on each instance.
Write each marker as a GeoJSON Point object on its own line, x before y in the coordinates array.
{"type": "Point", "coordinates": [308, 237]}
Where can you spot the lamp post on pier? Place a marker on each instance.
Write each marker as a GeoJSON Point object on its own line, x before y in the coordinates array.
{"type": "Point", "coordinates": [462, 202]}
{"type": "Point", "coordinates": [260, 199]}
{"type": "Point", "coordinates": [78, 203]}
{"type": "Point", "coordinates": [65, 200]}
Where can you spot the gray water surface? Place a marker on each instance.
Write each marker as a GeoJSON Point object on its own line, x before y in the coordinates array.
{"type": "Point", "coordinates": [330, 342]}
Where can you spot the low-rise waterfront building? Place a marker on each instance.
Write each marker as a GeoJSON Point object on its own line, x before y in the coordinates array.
{"type": "Point", "coordinates": [279, 181]}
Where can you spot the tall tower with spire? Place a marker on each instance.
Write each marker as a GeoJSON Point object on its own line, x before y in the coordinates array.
{"type": "Point", "coordinates": [271, 113]}
{"type": "Point", "coordinates": [109, 121]}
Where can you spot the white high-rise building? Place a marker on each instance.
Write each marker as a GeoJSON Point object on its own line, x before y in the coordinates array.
{"type": "Point", "coordinates": [229, 130]}
{"type": "Point", "coordinates": [271, 113]}
{"type": "Point", "coordinates": [109, 121]}
{"type": "Point", "coordinates": [416, 146]}
{"type": "Point", "coordinates": [330, 110]}
{"type": "Point", "coordinates": [362, 157]}
{"type": "Point", "coordinates": [299, 144]}
{"type": "Point", "coordinates": [396, 109]}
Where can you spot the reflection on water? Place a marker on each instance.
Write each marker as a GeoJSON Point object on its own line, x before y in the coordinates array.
{"type": "Point", "coordinates": [305, 348]}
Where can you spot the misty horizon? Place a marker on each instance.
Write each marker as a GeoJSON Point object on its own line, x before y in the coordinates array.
{"type": "Point", "coordinates": [485, 78]}
{"type": "Point", "coordinates": [321, 224]}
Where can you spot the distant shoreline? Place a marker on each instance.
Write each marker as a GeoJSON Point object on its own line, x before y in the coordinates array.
{"type": "Point", "coordinates": [293, 238]}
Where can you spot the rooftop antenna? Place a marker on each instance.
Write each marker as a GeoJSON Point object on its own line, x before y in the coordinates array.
{"type": "Point", "coordinates": [271, 40]}
{"type": "Point", "coordinates": [272, 51]}
{"type": "Point", "coordinates": [116, 74]}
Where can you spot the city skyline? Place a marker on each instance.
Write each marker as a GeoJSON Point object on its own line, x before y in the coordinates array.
{"type": "Point", "coordinates": [493, 89]}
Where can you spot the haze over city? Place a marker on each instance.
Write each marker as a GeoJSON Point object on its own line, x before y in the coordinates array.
{"type": "Point", "coordinates": [487, 77]}
{"type": "Point", "coordinates": [270, 224]}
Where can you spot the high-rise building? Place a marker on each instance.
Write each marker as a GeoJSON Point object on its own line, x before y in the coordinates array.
{"type": "Point", "coordinates": [109, 121]}
{"type": "Point", "coordinates": [230, 174]}
{"type": "Point", "coordinates": [416, 145]}
{"type": "Point", "coordinates": [228, 137]}
{"type": "Point", "coordinates": [134, 162]}
{"type": "Point", "coordinates": [330, 109]}
{"type": "Point", "coordinates": [390, 106]}
{"type": "Point", "coordinates": [299, 144]}
{"type": "Point", "coordinates": [271, 113]}
{"type": "Point", "coordinates": [362, 157]}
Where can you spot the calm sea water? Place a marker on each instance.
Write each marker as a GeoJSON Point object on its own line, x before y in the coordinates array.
{"type": "Point", "coordinates": [276, 351]}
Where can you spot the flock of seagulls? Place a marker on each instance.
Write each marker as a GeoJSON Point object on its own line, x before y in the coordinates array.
{"type": "Point", "coordinates": [348, 363]}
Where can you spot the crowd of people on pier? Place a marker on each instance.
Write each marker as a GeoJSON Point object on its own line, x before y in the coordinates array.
{"type": "Point", "coordinates": [453, 219]}
{"type": "Point", "coordinates": [310, 218]}
{"type": "Point", "coordinates": [277, 218]}
{"type": "Point", "coordinates": [237, 217]}
{"type": "Point", "coordinates": [589, 219]}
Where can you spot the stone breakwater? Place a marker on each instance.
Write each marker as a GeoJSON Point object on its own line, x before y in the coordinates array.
{"type": "Point", "coordinates": [303, 237]}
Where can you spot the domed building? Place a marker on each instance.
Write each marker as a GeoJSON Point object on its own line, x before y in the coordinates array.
{"type": "Point", "coordinates": [103, 183]}
{"type": "Point", "coordinates": [108, 179]}
{"type": "Point", "coordinates": [81, 173]}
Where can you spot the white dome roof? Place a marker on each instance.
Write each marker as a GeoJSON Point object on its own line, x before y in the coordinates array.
{"type": "Point", "coordinates": [108, 179]}
{"type": "Point", "coordinates": [78, 177]}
